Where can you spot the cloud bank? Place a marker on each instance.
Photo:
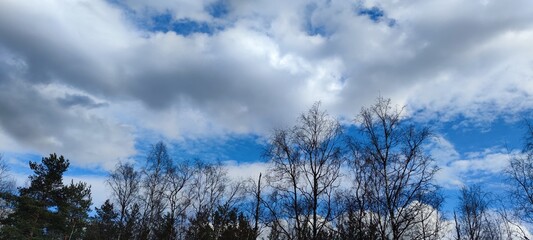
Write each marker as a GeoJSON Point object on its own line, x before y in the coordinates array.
{"type": "Point", "coordinates": [89, 78]}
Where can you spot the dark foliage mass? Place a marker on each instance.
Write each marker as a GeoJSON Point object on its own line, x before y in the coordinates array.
{"type": "Point", "coordinates": [48, 209]}
{"type": "Point", "coordinates": [322, 183]}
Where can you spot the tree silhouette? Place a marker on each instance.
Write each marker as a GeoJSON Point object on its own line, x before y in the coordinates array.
{"type": "Point", "coordinates": [306, 161]}
{"type": "Point", "coordinates": [393, 174]}
{"type": "Point", "coordinates": [105, 224]}
{"type": "Point", "coordinates": [47, 208]}
{"type": "Point", "coordinates": [520, 171]}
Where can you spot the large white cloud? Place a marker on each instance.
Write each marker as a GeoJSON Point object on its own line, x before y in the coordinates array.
{"type": "Point", "coordinates": [262, 64]}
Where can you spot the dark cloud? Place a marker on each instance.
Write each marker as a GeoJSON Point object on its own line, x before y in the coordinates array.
{"type": "Point", "coordinates": [70, 100]}
{"type": "Point", "coordinates": [40, 124]}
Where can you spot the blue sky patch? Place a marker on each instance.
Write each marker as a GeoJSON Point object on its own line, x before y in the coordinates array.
{"type": "Point", "coordinates": [469, 137]}
{"type": "Point", "coordinates": [316, 30]}
{"type": "Point", "coordinates": [218, 9]}
{"type": "Point", "coordinates": [374, 13]}
{"type": "Point", "coordinates": [186, 27]}
{"type": "Point", "coordinates": [311, 27]}
{"type": "Point", "coordinates": [165, 23]}
{"type": "Point", "coordinates": [240, 148]}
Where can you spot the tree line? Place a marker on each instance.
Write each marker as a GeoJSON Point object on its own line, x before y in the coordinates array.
{"type": "Point", "coordinates": [322, 183]}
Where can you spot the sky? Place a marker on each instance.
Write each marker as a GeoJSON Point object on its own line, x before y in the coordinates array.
{"type": "Point", "coordinates": [100, 81]}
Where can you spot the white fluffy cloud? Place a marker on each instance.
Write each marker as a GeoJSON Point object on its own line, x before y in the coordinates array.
{"type": "Point", "coordinates": [244, 171]}
{"type": "Point", "coordinates": [457, 170]}
{"type": "Point", "coordinates": [262, 63]}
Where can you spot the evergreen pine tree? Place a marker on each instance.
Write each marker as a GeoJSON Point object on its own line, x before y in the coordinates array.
{"type": "Point", "coordinates": [47, 209]}
{"type": "Point", "coordinates": [104, 225]}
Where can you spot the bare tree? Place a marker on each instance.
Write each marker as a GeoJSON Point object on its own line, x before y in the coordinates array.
{"type": "Point", "coordinates": [358, 220]}
{"type": "Point", "coordinates": [178, 178]}
{"type": "Point", "coordinates": [511, 227]}
{"type": "Point", "coordinates": [257, 210]}
{"type": "Point", "coordinates": [211, 192]}
{"type": "Point", "coordinates": [394, 175]}
{"type": "Point", "coordinates": [284, 203]}
{"type": "Point", "coordinates": [304, 178]}
{"type": "Point", "coordinates": [155, 183]}
{"type": "Point", "coordinates": [209, 185]}
{"type": "Point", "coordinates": [520, 171]}
{"type": "Point", "coordinates": [253, 201]}
{"type": "Point", "coordinates": [429, 222]}
{"type": "Point", "coordinates": [473, 221]}
{"type": "Point", "coordinates": [7, 186]}
{"type": "Point", "coordinates": [124, 182]}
